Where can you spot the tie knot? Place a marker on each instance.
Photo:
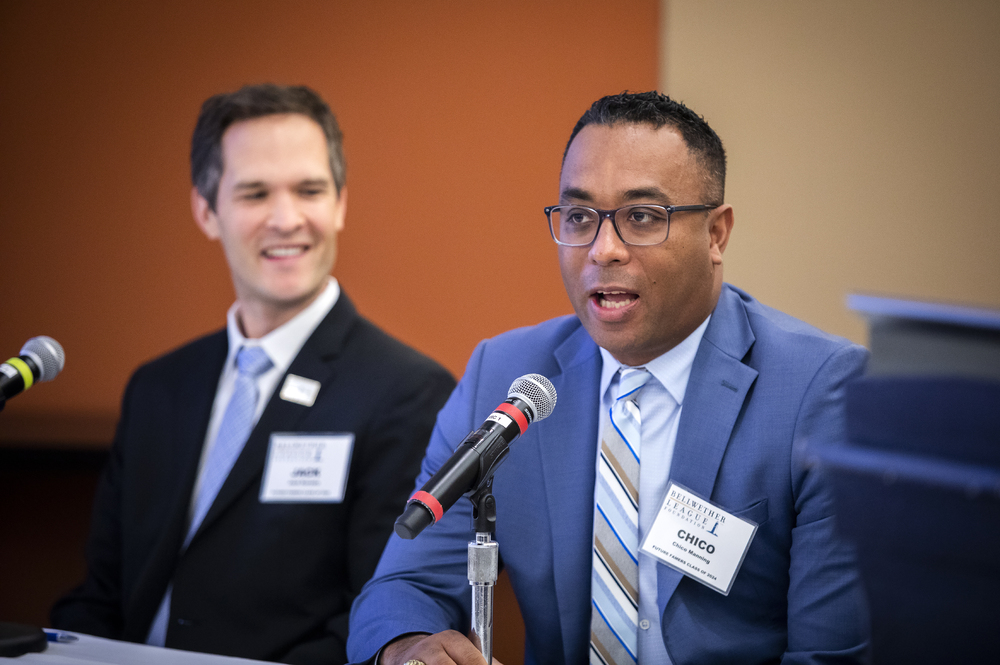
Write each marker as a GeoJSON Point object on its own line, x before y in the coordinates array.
{"type": "Point", "coordinates": [253, 361]}
{"type": "Point", "coordinates": [631, 381]}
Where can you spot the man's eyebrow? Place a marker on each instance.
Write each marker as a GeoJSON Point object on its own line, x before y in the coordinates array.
{"type": "Point", "coordinates": [637, 194]}
{"type": "Point", "coordinates": [260, 184]}
{"type": "Point", "coordinates": [315, 182]}
{"type": "Point", "coordinates": [250, 184]}
{"type": "Point", "coordinates": [576, 193]}
{"type": "Point", "coordinates": [647, 194]}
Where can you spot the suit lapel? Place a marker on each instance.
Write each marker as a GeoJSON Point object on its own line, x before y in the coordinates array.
{"type": "Point", "coordinates": [317, 361]}
{"type": "Point", "coordinates": [567, 447]}
{"type": "Point", "coordinates": [193, 400]}
{"type": "Point", "coordinates": [190, 437]}
{"type": "Point", "coordinates": [715, 394]}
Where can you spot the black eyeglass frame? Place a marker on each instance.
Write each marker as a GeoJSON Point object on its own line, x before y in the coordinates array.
{"type": "Point", "coordinates": [611, 214]}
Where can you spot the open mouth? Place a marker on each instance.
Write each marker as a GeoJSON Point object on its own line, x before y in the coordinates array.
{"type": "Point", "coordinates": [285, 251]}
{"type": "Point", "coordinates": [614, 299]}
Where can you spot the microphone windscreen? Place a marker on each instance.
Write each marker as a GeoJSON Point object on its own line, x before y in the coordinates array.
{"type": "Point", "coordinates": [537, 391]}
{"type": "Point", "coordinates": [47, 353]}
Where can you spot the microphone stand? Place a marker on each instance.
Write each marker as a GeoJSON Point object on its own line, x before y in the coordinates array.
{"type": "Point", "coordinates": [484, 564]}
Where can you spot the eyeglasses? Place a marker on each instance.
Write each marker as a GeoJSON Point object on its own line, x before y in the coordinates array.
{"type": "Point", "coordinates": [578, 226]}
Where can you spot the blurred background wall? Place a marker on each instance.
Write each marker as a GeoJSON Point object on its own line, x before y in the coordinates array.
{"type": "Point", "coordinates": [863, 140]}
{"type": "Point", "coordinates": [863, 137]}
{"type": "Point", "coordinates": [455, 116]}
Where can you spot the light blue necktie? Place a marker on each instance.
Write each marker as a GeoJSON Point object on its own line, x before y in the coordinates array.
{"type": "Point", "coordinates": [615, 575]}
{"type": "Point", "coordinates": [251, 362]}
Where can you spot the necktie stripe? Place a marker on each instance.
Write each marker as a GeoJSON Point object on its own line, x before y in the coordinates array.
{"type": "Point", "coordinates": [610, 487]}
{"type": "Point", "coordinates": [617, 510]}
{"type": "Point", "coordinates": [623, 472]}
{"type": "Point", "coordinates": [617, 611]}
{"type": "Point", "coordinates": [632, 378]}
{"type": "Point", "coordinates": [615, 644]}
{"type": "Point", "coordinates": [617, 569]}
{"type": "Point", "coordinates": [619, 487]}
{"type": "Point", "coordinates": [610, 593]}
{"type": "Point", "coordinates": [598, 655]}
{"type": "Point", "coordinates": [620, 539]}
{"type": "Point", "coordinates": [606, 649]}
{"type": "Point", "coordinates": [629, 420]}
{"type": "Point", "coordinates": [615, 576]}
{"type": "Point", "coordinates": [625, 440]}
{"type": "Point", "coordinates": [631, 388]}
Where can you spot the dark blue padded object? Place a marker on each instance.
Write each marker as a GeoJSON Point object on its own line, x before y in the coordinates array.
{"type": "Point", "coordinates": [943, 417]}
{"type": "Point", "coordinates": [917, 491]}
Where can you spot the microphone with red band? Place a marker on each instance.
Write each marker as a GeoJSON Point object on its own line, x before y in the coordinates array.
{"type": "Point", "coordinates": [530, 398]}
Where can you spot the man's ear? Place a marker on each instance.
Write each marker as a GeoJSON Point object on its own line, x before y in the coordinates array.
{"type": "Point", "coordinates": [719, 231]}
{"type": "Point", "coordinates": [204, 216]}
{"type": "Point", "coordinates": [341, 209]}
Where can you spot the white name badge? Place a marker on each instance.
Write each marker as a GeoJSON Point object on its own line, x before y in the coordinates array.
{"type": "Point", "coordinates": [699, 539]}
{"type": "Point", "coordinates": [300, 390]}
{"type": "Point", "coordinates": [306, 468]}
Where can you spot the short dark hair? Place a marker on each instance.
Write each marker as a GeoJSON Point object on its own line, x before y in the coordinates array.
{"type": "Point", "coordinates": [255, 101]}
{"type": "Point", "coordinates": [652, 108]}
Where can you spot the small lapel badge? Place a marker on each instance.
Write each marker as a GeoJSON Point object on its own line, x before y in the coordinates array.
{"type": "Point", "coordinates": [300, 390]}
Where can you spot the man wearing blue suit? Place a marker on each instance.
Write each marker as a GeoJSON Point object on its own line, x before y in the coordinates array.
{"type": "Point", "coordinates": [730, 391]}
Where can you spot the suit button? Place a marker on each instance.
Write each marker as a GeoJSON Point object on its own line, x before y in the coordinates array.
{"type": "Point", "coordinates": [644, 624]}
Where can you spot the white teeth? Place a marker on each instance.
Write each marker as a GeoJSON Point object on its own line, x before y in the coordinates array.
{"type": "Point", "coordinates": [613, 304]}
{"type": "Point", "coordinates": [279, 252]}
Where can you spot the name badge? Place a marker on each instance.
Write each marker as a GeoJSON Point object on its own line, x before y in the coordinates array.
{"type": "Point", "coordinates": [699, 539]}
{"type": "Point", "coordinates": [300, 390]}
{"type": "Point", "coordinates": [307, 468]}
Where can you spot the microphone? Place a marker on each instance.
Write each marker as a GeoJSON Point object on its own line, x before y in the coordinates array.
{"type": "Point", "coordinates": [531, 397]}
{"type": "Point", "coordinates": [41, 359]}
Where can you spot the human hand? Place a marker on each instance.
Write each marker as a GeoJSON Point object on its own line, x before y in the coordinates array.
{"type": "Point", "coordinates": [446, 648]}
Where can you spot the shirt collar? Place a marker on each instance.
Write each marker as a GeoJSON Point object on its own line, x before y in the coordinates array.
{"type": "Point", "coordinates": [672, 369]}
{"type": "Point", "coordinates": [284, 342]}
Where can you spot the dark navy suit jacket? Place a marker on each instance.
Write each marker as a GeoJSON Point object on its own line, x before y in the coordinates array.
{"type": "Point", "coordinates": [270, 581]}
{"type": "Point", "coordinates": [762, 384]}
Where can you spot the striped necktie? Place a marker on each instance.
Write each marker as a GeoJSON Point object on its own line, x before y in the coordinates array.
{"type": "Point", "coordinates": [237, 422]}
{"type": "Point", "coordinates": [615, 576]}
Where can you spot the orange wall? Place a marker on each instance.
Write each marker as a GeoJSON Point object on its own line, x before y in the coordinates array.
{"type": "Point", "coordinates": [455, 116]}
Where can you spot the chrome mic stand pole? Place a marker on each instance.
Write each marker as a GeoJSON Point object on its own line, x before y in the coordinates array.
{"type": "Point", "coordinates": [484, 565]}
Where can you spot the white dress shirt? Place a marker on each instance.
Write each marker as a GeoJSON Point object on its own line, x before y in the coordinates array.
{"type": "Point", "coordinates": [281, 345]}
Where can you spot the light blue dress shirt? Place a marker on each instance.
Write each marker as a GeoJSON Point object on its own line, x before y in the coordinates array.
{"type": "Point", "coordinates": [660, 403]}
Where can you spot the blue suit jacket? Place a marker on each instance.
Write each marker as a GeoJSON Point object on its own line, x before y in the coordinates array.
{"type": "Point", "coordinates": [762, 384]}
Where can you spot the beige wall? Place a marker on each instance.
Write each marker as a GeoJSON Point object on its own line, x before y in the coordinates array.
{"type": "Point", "coordinates": [863, 141]}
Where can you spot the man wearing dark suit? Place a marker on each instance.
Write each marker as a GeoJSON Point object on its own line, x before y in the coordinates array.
{"type": "Point", "coordinates": [256, 472]}
{"type": "Point", "coordinates": [733, 390]}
